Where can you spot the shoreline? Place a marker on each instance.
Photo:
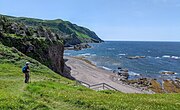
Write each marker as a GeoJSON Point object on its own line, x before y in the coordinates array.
{"type": "Point", "coordinates": [84, 70]}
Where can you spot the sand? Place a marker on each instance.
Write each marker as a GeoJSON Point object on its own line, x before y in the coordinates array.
{"type": "Point", "coordinates": [88, 73]}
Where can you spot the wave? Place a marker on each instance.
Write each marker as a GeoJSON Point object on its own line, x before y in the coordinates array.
{"type": "Point", "coordinates": [122, 54]}
{"type": "Point", "coordinates": [93, 55]}
{"type": "Point", "coordinates": [111, 48]}
{"type": "Point", "coordinates": [176, 73]}
{"type": "Point", "coordinates": [116, 64]}
{"type": "Point", "coordinates": [86, 55]}
{"type": "Point", "coordinates": [106, 68]}
{"type": "Point", "coordinates": [149, 56]}
{"type": "Point", "coordinates": [133, 74]}
{"type": "Point", "coordinates": [67, 54]}
{"type": "Point", "coordinates": [166, 56]}
{"type": "Point", "coordinates": [157, 57]}
{"type": "Point", "coordinates": [173, 57]}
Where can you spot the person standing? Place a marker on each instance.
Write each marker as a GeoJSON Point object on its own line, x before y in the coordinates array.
{"type": "Point", "coordinates": [26, 71]}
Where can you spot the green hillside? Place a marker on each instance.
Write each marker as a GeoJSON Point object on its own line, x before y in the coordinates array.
{"type": "Point", "coordinates": [71, 33]}
{"type": "Point", "coordinates": [49, 90]}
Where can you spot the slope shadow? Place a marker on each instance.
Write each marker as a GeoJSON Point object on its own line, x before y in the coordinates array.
{"type": "Point", "coordinates": [67, 71]}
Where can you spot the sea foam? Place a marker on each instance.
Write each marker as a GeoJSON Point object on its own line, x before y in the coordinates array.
{"type": "Point", "coordinates": [122, 54]}
{"type": "Point", "coordinates": [133, 74]}
{"type": "Point", "coordinates": [166, 56]}
{"type": "Point", "coordinates": [67, 54]}
{"type": "Point", "coordinates": [84, 54]}
{"type": "Point", "coordinates": [173, 57]}
{"type": "Point", "coordinates": [106, 68]}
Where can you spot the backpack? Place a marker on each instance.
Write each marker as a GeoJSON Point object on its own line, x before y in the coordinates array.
{"type": "Point", "coordinates": [24, 69]}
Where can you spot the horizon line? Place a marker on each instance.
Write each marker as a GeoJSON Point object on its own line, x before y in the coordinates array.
{"type": "Point", "coordinates": [139, 41]}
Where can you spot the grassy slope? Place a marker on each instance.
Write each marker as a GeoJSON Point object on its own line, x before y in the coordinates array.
{"type": "Point", "coordinates": [48, 90]}
{"type": "Point", "coordinates": [65, 27]}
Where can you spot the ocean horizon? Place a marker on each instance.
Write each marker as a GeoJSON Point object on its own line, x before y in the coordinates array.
{"type": "Point", "coordinates": [159, 56]}
{"type": "Point", "coordinates": [137, 41]}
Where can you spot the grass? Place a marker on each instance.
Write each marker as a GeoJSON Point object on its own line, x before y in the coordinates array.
{"type": "Point", "coordinates": [49, 90]}
{"type": "Point", "coordinates": [16, 36]}
{"type": "Point", "coordinates": [81, 35]}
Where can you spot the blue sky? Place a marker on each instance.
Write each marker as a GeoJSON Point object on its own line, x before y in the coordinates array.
{"type": "Point", "coordinates": [129, 20]}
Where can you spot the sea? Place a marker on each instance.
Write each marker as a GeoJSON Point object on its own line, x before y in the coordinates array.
{"type": "Point", "coordinates": [159, 56]}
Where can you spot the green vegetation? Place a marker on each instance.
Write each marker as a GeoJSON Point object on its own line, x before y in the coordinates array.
{"type": "Point", "coordinates": [37, 42]}
{"type": "Point", "coordinates": [63, 29]}
{"type": "Point", "coordinates": [19, 42]}
{"type": "Point", "coordinates": [18, 36]}
{"type": "Point", "coordinates": [49, 90]}
{"type": "Point", "coordinates": [82, 35]}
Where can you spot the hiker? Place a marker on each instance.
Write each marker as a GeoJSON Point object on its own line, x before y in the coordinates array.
{"type": "Point", "coordinates": [26, 71]}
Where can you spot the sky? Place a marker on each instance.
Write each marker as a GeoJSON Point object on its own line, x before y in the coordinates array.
{"type": "Point", "coordinates": [119, 20]}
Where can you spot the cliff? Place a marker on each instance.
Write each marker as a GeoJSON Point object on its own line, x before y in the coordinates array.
{"type": "Point", "coordinates": [72, 34]}
{"type": "Point", "coordinates": [44, 40]}
{"type": "Point", "coordinates": [39, 43]}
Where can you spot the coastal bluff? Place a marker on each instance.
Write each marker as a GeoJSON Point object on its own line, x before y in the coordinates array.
{"type": "Point", "coordinates": [43, 40]}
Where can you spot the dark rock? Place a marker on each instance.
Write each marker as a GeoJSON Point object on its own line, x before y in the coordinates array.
{"type": "Point", "coordinates": [119, 68]}
{"type": "Point", "coordinates": [125, 70]}
{"type": "Point", "coordinates": [124, 73]}
{"type": "Point", "coordinates": [168, 72]}
{"type": "Point", "coordinates": [141, 82]}
{"type": "Point", "coordinates": [115, 71]}
{"type": "Point", "coordinates": [55, 54]}
{"type": "Point", "coordinates": [71, 40]}
{"type": "Point", "coordinates": [81, 46]}
{"type": "Point", "coordinates": [43, 39]}
{"type": "Point", "coordinates": [45, 51]}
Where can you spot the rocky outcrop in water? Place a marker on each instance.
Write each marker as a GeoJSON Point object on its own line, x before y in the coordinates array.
{"type": "Point", "coordinates": [167, 72]}
{"type": "Point", "coordinates": [122, 73]}
{"type": "Point", "coordinates": [147, 83]}
{"type": "Point", "coordinates": [81, 46]}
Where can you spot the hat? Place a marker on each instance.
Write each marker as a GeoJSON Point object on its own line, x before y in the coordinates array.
{"type": "Point", "coordinates": [27, 63]}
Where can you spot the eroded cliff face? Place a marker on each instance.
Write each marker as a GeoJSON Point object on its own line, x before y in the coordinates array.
{"type": "Point", "coordinates": [38, 42]}
{"type": "Point", "coordinates": [49, 53]}
{"type": "Point", "coordinates": [55, 55]}
{"type": "Point", "coordinates": [44, 40]}
{"type": "Point", "coordinates": [71, 33]}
